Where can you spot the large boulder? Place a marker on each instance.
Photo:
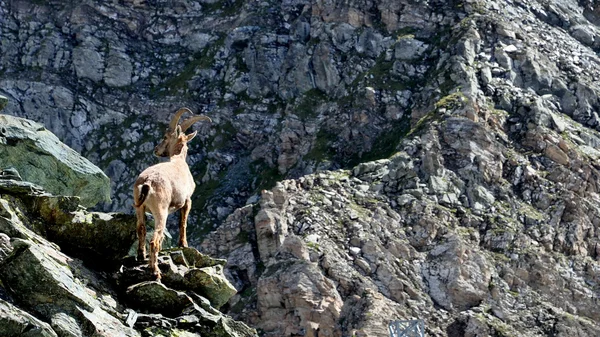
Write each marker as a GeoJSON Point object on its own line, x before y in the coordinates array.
{"type": "Point", "coordinates": [210, 282]}
{"type": "Point", "coordinates": [48, 283]}
{"type": "Point", "coordinates": [41, 158]}
{"type": "Point", "coordinates": [104, 238]}
{"type": "Point", "coordinates": [154, 296]}
{"type": "Point", "coordinates": [100, 238]}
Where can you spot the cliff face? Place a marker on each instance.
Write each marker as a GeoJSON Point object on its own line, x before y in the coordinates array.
{"type": "Point", "coordinates": [440, 157]}
{"type": "Point", "coordinates": [292, 86]}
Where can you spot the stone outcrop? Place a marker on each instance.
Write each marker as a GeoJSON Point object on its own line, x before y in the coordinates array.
{"type": "Point", "coordinates": [40, 158]}
{"type": "Point", "coordinates": [65, 271]}
{"type": "Point", "coordinates": [70, 299]}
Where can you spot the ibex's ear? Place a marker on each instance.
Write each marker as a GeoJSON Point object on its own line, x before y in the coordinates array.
{"type": "Point", "coordinates": [191, 136]}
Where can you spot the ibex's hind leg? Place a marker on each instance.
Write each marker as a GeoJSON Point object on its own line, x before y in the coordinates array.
{"type": "Point", "coordinates": [160, 221]}
{"type": "Point", "coordinates": [185, 211]}
{"type": "Point", "coordinates": [141, 232]}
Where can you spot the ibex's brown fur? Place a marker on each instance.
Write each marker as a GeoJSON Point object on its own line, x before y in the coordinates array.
{"type": "Point", "coordinates": [165, 188]}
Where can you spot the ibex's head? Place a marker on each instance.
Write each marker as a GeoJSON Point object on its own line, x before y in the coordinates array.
{"type": "Point", "coordinates": [175, 136]}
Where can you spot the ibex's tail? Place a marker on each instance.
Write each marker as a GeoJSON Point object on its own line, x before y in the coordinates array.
{"type": "Point", "coordinates": [143, 189]}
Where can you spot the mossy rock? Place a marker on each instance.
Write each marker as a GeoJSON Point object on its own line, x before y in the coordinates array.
{"type": "Point", "coordinates": [155, 297]}
{"type": "Point", "coordinates": [211, 283]}
{"type": "Point", "coordinates": [41, 158]}
{"type": "Point", "coordinates": [196, 259]}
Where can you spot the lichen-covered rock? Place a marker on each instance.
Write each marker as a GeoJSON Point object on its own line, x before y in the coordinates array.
{"type": "Point", "coordinates": [65, 325]}
{"type": "Point", "coordinates": [42, 159]}
{"type": "Point", "coordinates": [30, 262]}
{"type": "Point", "coordinates": [211, 283]}
{"type": "Point", "coordinates": [196, 259]}
{"type": "Point", "coordinates": [47, 282]}
{"type": "Point", "coordinates": [75, 300]}
{"type": "Point", "coordinates": [13, 226]}
{"type": "Point", "coordinates": [16, 322]}
{"type": "Point", "coordinates": [155, 297]}
{"type": "Point", "coordinates": [104, 237]}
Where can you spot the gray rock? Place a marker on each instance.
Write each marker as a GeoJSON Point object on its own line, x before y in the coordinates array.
{"type": "Point", "coordinates": [343, 37]}
{"type": "Point", "coordinates": [454, 284]}
{"type": "Point", "coordinates": [5, 246]}
{"type": "Point", "coordinates": [12, 225]}
{"type": "Point", "coordinates": [211, 283]}
{"type": "Point", "coordinates": [53, 165]}
{"type": "Point", "coordinates": [16, 322]}
{"type": "Point", "coordinates": [118, 69]}
{"type": "Point", "coordinates": [408, 49]}
{"type": "Point", "coordinates": [65, 325]}
{"type": "Point", "coordinates": [30, 263]}
{"type": "Point", "coordinates": [369, 43]}
{"type": "Point", "coordinates": [155, 297]}
{"type": "Point", "coordinates": [198, 41]}
{"type": "Point", "coordinates": [88, 63]}
{"type": "Point", "coordinates": [91, 236]}
{"type": "Point", "coordinates": [584, 34]}
{"type": "Point", "coordinates": [326, 73]}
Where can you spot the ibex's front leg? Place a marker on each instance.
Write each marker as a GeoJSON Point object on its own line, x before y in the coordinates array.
{"type": "Point", "coordinates": [185, 211]}
{"type": "Point", "coordinates": [160, 220]}
{"type": "Point", "coordinates": [141, 232]}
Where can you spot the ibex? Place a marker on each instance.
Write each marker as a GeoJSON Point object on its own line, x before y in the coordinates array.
{"type": "Point", "coordinates": [165, 188]}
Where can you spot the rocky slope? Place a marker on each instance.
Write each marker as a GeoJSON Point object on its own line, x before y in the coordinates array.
{"type": "Point", "coordinates": [64, 272]}
{"type": "Point", "coordinates": [441, 155]}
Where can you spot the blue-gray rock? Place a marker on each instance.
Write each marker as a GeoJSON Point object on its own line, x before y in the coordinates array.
{"type": "Point", "coordinates": [3, 102]}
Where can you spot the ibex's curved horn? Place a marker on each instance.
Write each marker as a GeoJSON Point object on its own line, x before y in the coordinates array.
{"type": "Point", "coordinates": [175, 119]}
{"type": "Point", "coordinates": [188, 122]}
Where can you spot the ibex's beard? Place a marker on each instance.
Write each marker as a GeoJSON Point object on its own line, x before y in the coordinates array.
{"type": "Point", "coordinates": [160, 153]}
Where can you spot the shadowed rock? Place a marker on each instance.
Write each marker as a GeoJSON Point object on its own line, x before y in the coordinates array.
{"type": "Point", "coordinates": [103, 238]}
{"type": "Point", "coordinates": [3, 102]}
{"type": "Point", "coordinates": [16, 322]}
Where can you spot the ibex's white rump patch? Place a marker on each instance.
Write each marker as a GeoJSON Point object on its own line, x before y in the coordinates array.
{"type": "Point", "coordinates": [165, 188]}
